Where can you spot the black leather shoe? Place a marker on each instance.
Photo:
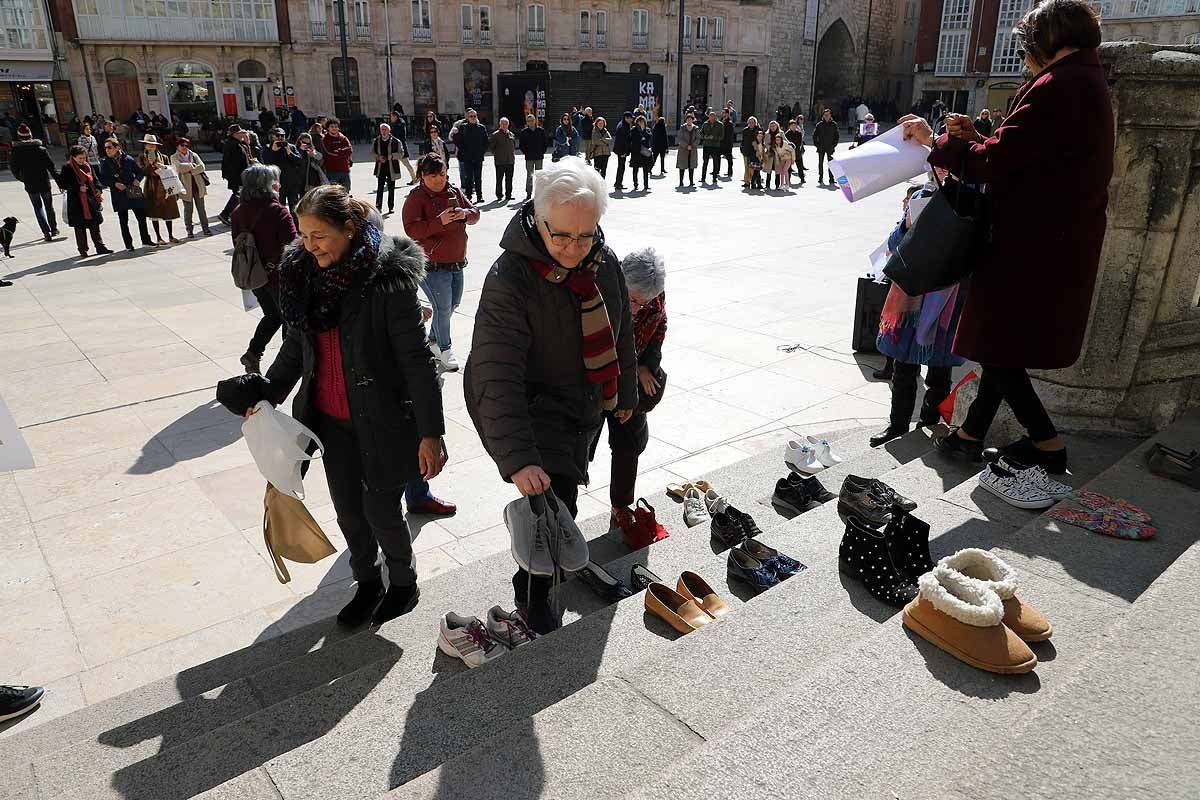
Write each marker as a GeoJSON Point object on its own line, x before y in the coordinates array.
{"type": "Point", "coordinates": [863, 556]}
{"type": "Point", "coordinates": [1026, 452]}
{"type": "Point", "coordinates": [749, 528]}
{"type": "Point", "coordinates": [398, 601]}
{"type": "Point", "coordinates": [881, 491]}
{"type": "Point", "coordinates": [907, 541]}
{"type": "Point", "coordinates": [604, 584]}
{"type": "Point", "coordinates": [792, 498]}
{"type": "Point", "coordinates": [640, 577]}
{"type": "Point", "coordinates": [888, 434]}
{"type": "Point", "coordinates": [955, 446]}
{"type": "Point", "coordinates": [862, 503]}
{"type": "Point", "coordinates": [812, 487]}
{"type": "Point", "coordinates": [727, 529]}
{"type": "Point", "coordinates": [359, 609]}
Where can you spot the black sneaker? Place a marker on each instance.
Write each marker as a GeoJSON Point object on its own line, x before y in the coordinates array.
{"type": "Point", "coordinates": [815, 489]}
{"type": "Point", "coordinates": [359, 610]}
{"type": "Point", "coordinates": [1026, 452]}
{"type": "Point", "coordinates": [798, 494]}
{"type": "Point", "coordinates": [749, 528]}
{"type": "Point", "coordinates": [18, 700]}
{"type": "Point", "coordinates": [880, 490]}
{"type": "Point", "coordinates": [398, 601]}
{"type": "Point", "coordinates": [727, 529]}
{"type": "Point", "coordinates": [955, 446]}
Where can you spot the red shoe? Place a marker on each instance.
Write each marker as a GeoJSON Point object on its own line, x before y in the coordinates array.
{"type": "Point", "coordinates": [434, 507]}
{"type": "Point", "coordinates": [630, 529]}
{"type": "Point", "coordinates": [651, 530]}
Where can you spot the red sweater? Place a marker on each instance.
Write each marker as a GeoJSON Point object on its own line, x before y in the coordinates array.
{"type": "Point", "coordinates": [338, 151]}
{"type": "Point", "coordinates": [331, 399]}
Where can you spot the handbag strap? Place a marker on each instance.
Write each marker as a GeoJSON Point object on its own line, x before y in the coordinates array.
{"type": "Point", "coordinates": [281, 570]}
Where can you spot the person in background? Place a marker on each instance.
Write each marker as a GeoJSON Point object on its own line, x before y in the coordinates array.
{"type": "Point", "coordinates": [660, 145]}
{"type": "Point", "coordinates": [159, 204]}
{"type": "Point", "coordinates": [338, 288]}
{"type": "Point", "coordinates": [436, 215]}
{"type": "Point", "coordinates": [299, 122]}
{"type": "Point", "coordinates": [749, 151]}
{"type": "Point", "coordinates": [785, 156]}
{"type": "Point", "coordinates": [555, 273]}
{"type": "Point", "coordinates": [503, 145]}
{"type": "Point", "coordinates": [387, 166]}
{"type": "Point", "coordinates": [317, 133]}
{"type": "Point", "coordinates": [586, 124]}
{"type": "Point", "coordinates": [1045, 175]}
{"type": "Point", "coordinates": [31, 164]}
{"type": "Point", "coordinates": [191, 169]}
{"type": "Point", "coordinates": [400, 131]}
{"type": "Point", "coordinates": [621, 144]}
{"type": "Point", "coordinates": [119, 171]}
{"type": "Point", "coordinates": [983, 124]}
{"type": "Point", "coordinates": [645, 276]}
{"type": "Point", "coordinates": [471, 142]}
{"type": "Point", "coordinates": [84, 201]}
{"type": "Point", "coordinates": [338, 154]}
{"type": "Point", "coordinates": [769, 154]}
{"type": "Point", "coordinates": [437, 145]}
{"type": "Point", "coordinates": [311, 173]}
{"type": "Point", "coordinates": [266, 120]}
{"type": "Point", "coordinates": [712, 135]}
{"type": "Point", "coordinates": [727, 138]}
{"type": "Point", "coordinates": [757, 162]}
{"type": "Point", "coordinates": [261, 213]}
{"type": "Point", "coordinates": [235, 157]}
{"type": "Point", "coordinates": [601, 146]}
{"type": "Point", "coordinates": [532, 141]}
{"type": "Point", "coordinates": [733, 116]}
{"type": "Point", "coordinates": [91, 147]}
{"type": "Point", "coordinates": [795, 135]}
{"type": "Point", "coordinates": [825, 139]}
{"type": "Point", "coordinates": [566, 138]}
{"type": "Point", "coordinates": [431, 121]}
{"type": "Point", "coordinates": [687, 142]}
{"type": "Point", "coordinates": [288, 160]}
{"type": "Point", "coordinates": [641, 151]}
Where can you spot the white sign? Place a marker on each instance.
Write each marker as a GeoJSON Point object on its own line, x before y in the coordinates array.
{"type": "Point", "coordinates": [810, 20]}
{"type": "Point", "coordinates": [14, 452]}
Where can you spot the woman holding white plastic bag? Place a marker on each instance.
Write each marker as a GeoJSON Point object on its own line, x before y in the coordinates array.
{"type": "Point", "coordinates": [368, 387]}
{"type": "Point", "coordinates": [160, 203]}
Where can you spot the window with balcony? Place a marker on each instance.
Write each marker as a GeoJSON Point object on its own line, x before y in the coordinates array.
{"type": "Point", "coordinates": [346, 99]}
{"type": "Point", "coordinates": [1004, 56]}
{"type": "Point", "coordinates": [952, 44]}
{"type": "Point", "coordinates": [316, 19]}
{"type": "Point", "coordinates": [22, 26]}
{"type": "Point", "coordinates": [718, 33]}
{"type": "Point", "coordinates": [467, 24]}
{"type": "Point", "coordinates": [162, 20]}
{"type": "Point", "coordinates": [535, 24]}
{"type": "Point", "coordinates": [687, 34]}
{"type": "Point", "coordinates": [585, 29]}
{"type": "Point", "coordinates": [601, 29]}
{"type": "Point", "coordinates": [701, 33]}
{"type": "Point", "coordinates": [485, 26]}
{"type": "Point", "coordinates": [641, 28]}
{"type": "Point", "coordinates": [422, 31]}
{"type": "Point", "coordinates": [362, 19]}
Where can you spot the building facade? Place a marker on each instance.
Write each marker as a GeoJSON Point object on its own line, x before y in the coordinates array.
{"type": "Point", "coordinates": [1157, 21]}
{"type": "Point", "coordinates": [33, 85]}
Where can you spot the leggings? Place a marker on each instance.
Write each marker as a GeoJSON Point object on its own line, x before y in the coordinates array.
{"type": "Point", "coordinates": [691, 171]}
{"type": "Point", "coordinates": [1012, 385]}
{"type": "Point", "coordinates": [662, 163]}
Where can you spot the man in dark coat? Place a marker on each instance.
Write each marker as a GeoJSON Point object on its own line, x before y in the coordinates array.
{"type": "Point", "coordinates": [532, 141]}
{"type": "Point", "coordinates": [471, 139]}
{"type": "Point", "coordinates": [825, 139]}
{"type": "Point", "coordinates": [291, 168]}
{"type": "Point", "coordinates": [31, 164]}
{"type": "Point", "coordinates": [235, 157]}
{"type": "Point", "coordinates": [727, 141]}
{"type": "Point", "coordinates": [620, 147]}
{"type": "Point", "coordinates": [586, 124]}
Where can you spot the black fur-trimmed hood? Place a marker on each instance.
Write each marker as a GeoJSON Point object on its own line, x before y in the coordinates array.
{"type": "Point", "coordinates": [399, 266]}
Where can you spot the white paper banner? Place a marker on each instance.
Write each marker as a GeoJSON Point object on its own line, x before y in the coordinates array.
{"type": "Point", "coordinates": [14, 452]}
{"type": "Point", "coordinates": [879, 164]}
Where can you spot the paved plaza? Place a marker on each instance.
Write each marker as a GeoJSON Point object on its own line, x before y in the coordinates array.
{"type": "Point", "coordinates": [134, 549]}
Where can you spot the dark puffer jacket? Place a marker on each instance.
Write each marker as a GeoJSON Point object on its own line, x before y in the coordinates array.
{"type": "Point", "coordinates": [32, 165]}
{"type": "Point", "coordinates": [392, 385]}
{"type": "Point", "coordinates": [525, 386]}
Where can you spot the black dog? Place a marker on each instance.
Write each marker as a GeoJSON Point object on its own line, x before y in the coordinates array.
{"type": "Point", "coordinates": [6, 234]}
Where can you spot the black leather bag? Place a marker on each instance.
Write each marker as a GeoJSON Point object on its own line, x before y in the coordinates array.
{"type": "Point", "coordinates": [943, 245]}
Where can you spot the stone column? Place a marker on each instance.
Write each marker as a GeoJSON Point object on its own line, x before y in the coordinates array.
{"type": "Point", "coordinates": [1140, 366]}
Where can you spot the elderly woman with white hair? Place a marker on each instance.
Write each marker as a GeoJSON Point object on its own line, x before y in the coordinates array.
{"type": "Point", "coordinates": [553, 349]}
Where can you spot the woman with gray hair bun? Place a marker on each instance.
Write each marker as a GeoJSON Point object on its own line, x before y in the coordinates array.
{"type": "Point", "coordinates": [553, 350]}
{"type": "Point", "coordinates": [261, 213]}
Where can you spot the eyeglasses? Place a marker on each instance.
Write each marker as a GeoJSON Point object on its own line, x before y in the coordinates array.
{"type": "Point", "coordinates": [566, 239]}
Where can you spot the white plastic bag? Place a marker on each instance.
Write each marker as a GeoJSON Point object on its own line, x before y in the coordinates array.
{"type": "Point", "coordinates": [278, 443]}
{"type": "Point", "coordinates": [64, 208]}
{"type": "Point", "coordinates": [249, 301]}
{"type": "Point", "coordinates": [170, 180]}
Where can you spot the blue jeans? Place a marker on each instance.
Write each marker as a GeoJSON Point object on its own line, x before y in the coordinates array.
{"type": "Point", "coordinates": [416, 492]}
{"type": "Point", "coordinates": [444, 290]}
{"type": "Point", "coordinates": [339, 177]}
{"type": "Point", "coordinates": [40, 201]}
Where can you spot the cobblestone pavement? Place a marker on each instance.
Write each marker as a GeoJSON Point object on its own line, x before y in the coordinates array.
{"type": "Point", "coordinates": [134, 549]}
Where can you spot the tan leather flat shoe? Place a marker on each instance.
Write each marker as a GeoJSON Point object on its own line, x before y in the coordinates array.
{"type": "Point", "coordinates": [696, 589]}
{"type": "Point", "coordinates": [990, 571]}
{"type": "Point", "coordinates": [673, 608]}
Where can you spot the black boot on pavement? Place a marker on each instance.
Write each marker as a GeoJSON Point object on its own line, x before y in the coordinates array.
{"type": "Point", "coordinates": [18, 700]}
{"type": "Point", "coordinates": [398, 601]}
{"type": "Point", "coordinates": [359, 610]}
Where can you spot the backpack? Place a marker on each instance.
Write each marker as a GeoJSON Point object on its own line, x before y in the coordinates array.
{"type": "Point", "coordinates": [248, 269]}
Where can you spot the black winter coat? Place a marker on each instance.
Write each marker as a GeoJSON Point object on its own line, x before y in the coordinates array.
{"type": "Point", "coordinates": [69, 183]}
{"type": "Point", "coordinates": [472, 142]}
{"type": "Point", "coordinates": [291, 166]}
{"type": "Point", "coordinates": [748, 137]}
{"type": "Point", "coordinates": [727, 139]}
{"type": "Point", "coordinates": [532, 142]}
{"type": "Point", "coordinates": [391, 382]}
{"type": "Point", "coordinates": [32, 165]}
{"type": "Point", "coordinates": [524, 383]}
{"type": "Point", "coordinates": [825, 136]}
{"type": "Point", "coordinates": [639, 138]}
{"type": "Point", "coordinates": [234, 160]}
{"type": "Point", "coordinates": [620, 146]}
{"type": "Point", "coordinates": [660, 143]}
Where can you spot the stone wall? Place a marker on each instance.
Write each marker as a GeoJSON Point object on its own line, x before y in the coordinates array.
{"type": "Point", "coordinates": [1140, 366]}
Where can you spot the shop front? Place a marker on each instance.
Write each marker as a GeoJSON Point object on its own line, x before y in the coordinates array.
{"type": "Point", "coordinates": [192, 91]}
{"type": "Point", "coordinates": [29, 94]}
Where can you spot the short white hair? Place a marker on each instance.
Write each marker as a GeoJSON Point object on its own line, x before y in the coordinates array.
{"type": "Point", "coordinates": [504, 119]}
{"type": "Point", "coordinates": [645, 272]}
{"type": "Point", "coordinates": [569, 182]}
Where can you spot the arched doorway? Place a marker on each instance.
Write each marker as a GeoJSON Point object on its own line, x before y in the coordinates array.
{"type": "Point", "coordinates": [749, 91]}
{"type": "Point", "coordinates": [252, 86]}
{"type": "Point", "coordinates": [698, 94]}
{"type": "Point", "coordinates": [191, 91]}
{"type": "Point", "coordinates": [347, 102]}
{"type": "Point", "coordinates": [837, 67]}
{"type": "Point", "coordinates": [124, 94]}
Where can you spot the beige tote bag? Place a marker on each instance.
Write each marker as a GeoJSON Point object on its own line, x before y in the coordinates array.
{"type": "Point", "coordinates": [291, 532]}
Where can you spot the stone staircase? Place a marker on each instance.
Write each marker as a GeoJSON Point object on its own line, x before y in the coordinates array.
{"type": "Point", "coordinates": [810, 689]}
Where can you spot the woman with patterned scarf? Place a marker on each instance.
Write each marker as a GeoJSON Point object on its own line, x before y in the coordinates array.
{"type": "Point", "coordinates": [553, 350]}
{"type": "Point", "coordinates": [368, 387]}
{"type": "Point", "coordinates": [83, 200]}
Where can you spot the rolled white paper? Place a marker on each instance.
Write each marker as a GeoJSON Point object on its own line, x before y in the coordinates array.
{"type": "Point", "coordinates": [879, 164]}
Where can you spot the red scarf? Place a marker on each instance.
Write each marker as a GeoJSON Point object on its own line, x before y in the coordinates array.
{"type": "Point", "coordinates": [650, 323]}
{"type": "Point", "coordinates": [87, 183]}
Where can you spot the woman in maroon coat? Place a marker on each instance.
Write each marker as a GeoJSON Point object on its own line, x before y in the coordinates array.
{"type": "Point", "coordinates": [1047, 175]}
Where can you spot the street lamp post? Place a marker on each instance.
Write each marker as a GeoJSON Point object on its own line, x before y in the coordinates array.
{"type": "Point", "coordinates": [387, 31]}
{"type": "Point", "coordinates": [341, 12]}
{"type": "Point", "coordinates": [679, 71]}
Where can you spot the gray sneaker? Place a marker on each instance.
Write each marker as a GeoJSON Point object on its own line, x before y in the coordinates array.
{"type": "Point", "coordinates": [509, 629]}
{"type": "Point", "coordinates": [545, 538]}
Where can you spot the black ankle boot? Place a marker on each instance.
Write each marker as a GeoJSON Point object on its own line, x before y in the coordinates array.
{"type": "Point", "coordinates": [930, 415]}
{"type": "Point", "coordinates": [398, 601]}
{"type": "Point", "coordinates": [863, 556]}
{"type": "Point", "coordinates": [358, 610]}
{"type": "Point", "coordinates": [888, 434]}
{"type": "Point", "coordinates": [907, 541]}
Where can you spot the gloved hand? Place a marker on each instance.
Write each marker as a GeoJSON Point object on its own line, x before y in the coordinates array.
{"type": "Point", "coordinates": [243, 392]}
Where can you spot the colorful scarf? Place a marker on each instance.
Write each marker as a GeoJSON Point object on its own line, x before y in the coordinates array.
{"type": "Point", "coordinates": [87, 185]}
{"type": "Point", "coordinates": [930, 314]}
{"type": "Point", "coordinates": [650, 324]}
{"type": "Point", "coordinates": [599, 345]}
{"type": "Point", "coordinates": [310, 297]}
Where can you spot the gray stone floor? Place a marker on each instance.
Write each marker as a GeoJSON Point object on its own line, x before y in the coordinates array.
{"type": "Point", "coordinates": [134, 549]}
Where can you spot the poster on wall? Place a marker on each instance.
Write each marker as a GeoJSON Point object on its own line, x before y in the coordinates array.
{"type": "Point", "coordinates": [229, 100]}
{"type": "Point", "coordinates": [477, 87]}
{"type": "Point", "coordinates": [648, 97]}
{"type": "Point", "coordinates": [810, 22]}
{"type": "Point", "coordinates": [424, 74]}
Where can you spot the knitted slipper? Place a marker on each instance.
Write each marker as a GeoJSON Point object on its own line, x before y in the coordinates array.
{"type": "Point", "coordinates": [1112, 506]}
{"type": "Point", "coordinates": [1107, 524]}
{"type": "Point", "coordinates": [989, 571]}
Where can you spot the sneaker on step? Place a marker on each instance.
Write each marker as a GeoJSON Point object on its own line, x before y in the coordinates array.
{"type": "Point", "coordinates": [714, 502]}
{"type": "Point", "coordinates": [509, 628]}
{"type": "Point", "coordinates": [1017, 492]}
{"type": "Point", "coordinates": [801, 457]}
{"type": "Point", "coordinates": [18, 700]}
{"type": "Point", "coordinates": [1036, 476]}
{"type": "Point", "coordinates": [1024, 451]}
{"type": "Point", "coordinates": [695, 512]}
{"type": "Point", "coordinates": [466, 639]}
{"type": "Point", "coordinates": [824, 453]}
{"type": "Point", "coordinates": [449, 361]}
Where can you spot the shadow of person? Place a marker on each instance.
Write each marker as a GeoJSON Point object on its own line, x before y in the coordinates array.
{"type": "Point", "coordinates": [205, 429]}
{"type": "Point", "coordinates": [53, 267]}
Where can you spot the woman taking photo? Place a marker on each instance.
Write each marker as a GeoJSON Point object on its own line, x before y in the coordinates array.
{"type": "Point", "coordinates": [311, 173]}
{"type": "Point", "coordinates": [84, 200]}
{"type": "Point", "coordinates": [368, 388]}
{"type": "Point", "coordinates": [1046, 175]}
{"type": "Point", "coordinates": [191, 169]}
{"type": "Point", "coordinates": [641, 152]}
{"type": "Point", "coordinates": [601, 146]}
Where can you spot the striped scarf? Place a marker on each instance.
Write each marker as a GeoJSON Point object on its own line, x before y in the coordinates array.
{"type": "Point", "coordinates": [599, 345]}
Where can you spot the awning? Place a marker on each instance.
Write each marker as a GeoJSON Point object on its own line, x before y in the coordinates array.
{"type": "Point", "coordinates": [42, 71]}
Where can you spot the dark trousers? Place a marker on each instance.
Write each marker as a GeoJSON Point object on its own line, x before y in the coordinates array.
{"type": "Point", "coordinates": [290, 198]}
{"type": "Point", "coordinates": [157, 234]}
{"type": "Point", "coordinates": [904, 391]}
{"type": "Point", "coordinates": [662, 163]}
{"type": "Point", "coordinates": [712, 154]}
{"type": "Point", "coordinates": [123, 218]}
{"type": "Point", "coordinates": [627, 442]}
{"type": "Point", "coordinates": [271, 321]}
{"type": "Point", "coordinates": [1011, 385]}
{"type": "Point", "coordinates": [620, 171]}
{"type": "Point", "coordinates": [43, 209]}
{"type": "Point", "coordinates": [370, 519]}
{"type": "Point", "coordinates": [821, 159]}
{"type": "Point", "coordinates": [727, 154]}
{"type": "Point", "coordinates": [525, 591]}
{"type": "Point", "coordinates": [385, 181]}
{"type": "Point", "coordinates": [234, 196]}
{"type": "Point", "coordinates": [601, 164]}
{"type": "Point", "coordinates": [645, 171]}
{"type": "Point", "coordinates": [472, 173]}
{"type": "Point", "coordinates": [691, 171]}
{"type": "Point", "coordinates": [504, 175]}
{"type": "Point", "coordinates": [81, 238]}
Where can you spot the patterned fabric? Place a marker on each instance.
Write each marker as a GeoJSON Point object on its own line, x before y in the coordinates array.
{"type": "Point", "coordinates": [331, 398]}
{"type": "Point", "coordinates": [650, 324]}
{"type": "Point", "coordinates": [310, 298]}
{"type": "Point", "coordinates": [1110, 505]}
{"type": "Point", "coordinates": [920, 330]}
{"type": "Point", "coordinates": [1018, 492]}
{"type": "Point", "coordinates": [1107, 524]}
{"type": "Point", "coordinates": [87, 185]}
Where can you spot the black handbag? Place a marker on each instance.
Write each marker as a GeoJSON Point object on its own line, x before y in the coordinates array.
{"type": "Point", "coordinates": [943, 245]}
